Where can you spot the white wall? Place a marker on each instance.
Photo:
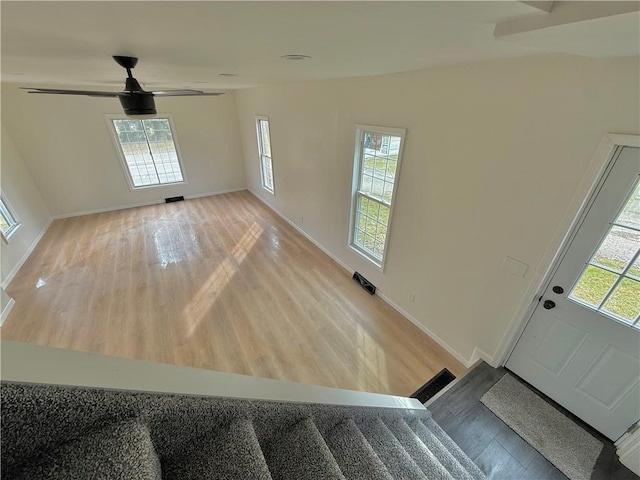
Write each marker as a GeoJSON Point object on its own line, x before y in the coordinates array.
{"type": "Point", "coordinates": [30, 209]}
{"type": "Point", "coordinates": [68, 148]}
{"type": "Point", "coordinates": [493, 154]}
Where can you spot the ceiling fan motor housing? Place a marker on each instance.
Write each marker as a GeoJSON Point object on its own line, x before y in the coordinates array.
{"type": "Point", "coordinates": [132, 85]}
{"type": "Point", "coordinates": [138, 104]}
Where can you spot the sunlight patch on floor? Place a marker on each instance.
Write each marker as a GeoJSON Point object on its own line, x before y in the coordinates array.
{"type": "Point", "coordinates": [203, 300]}
{"type": "Point", "coordinates": [372, 362]}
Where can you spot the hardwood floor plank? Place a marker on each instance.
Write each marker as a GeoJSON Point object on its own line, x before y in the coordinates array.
{"type": "Point", "coordinates": [516, 446]}
{"type": "Point", "coordinates": [221, 283]}
{"type": "Point", "coordinates": [476, 430]}
{"type": "Point", "coordinates": [497, 464]}
{"type": "Point", "coordinates": [541, 468]}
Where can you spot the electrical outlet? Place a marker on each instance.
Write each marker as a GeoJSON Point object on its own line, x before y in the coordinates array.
{"type": "Point", "coordinates": [412, 297]}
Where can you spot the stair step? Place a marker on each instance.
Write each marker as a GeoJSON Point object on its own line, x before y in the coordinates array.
{"type": "Point", "coordinates": [186, 437]}
{"type": "Point", "coordinates": [121, 450]}
{"type": "Point", "coordinates": [454, 449]}
{"type": "Point", "coordinates": [302, 454]}
{"type": "Point", "coordinates": [233, 454]}
{"type": "Point", "coordinates": [354, 455]}
{"type": "Point", "coordinates": [423, 457]}
{"type": "Point", "coordinates": [398, 462]}
{"type": "Point", "coordinates": [446, 459]}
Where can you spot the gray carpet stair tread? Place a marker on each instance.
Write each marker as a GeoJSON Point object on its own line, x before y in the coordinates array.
{"type": "Point", "coordinates": [423, 457]}
{"type": "Point", "coordinates": [446, 459]}
{"type": "Point", "coordinates": [77, 433]}
{"type": "Point", "coordinates": [302, 454]}
{"type": "Point", "coordinates": [227, 454]}
{"type": "Point", "coordinates": [454, 449]}
{"type": "Point", "coordinates": [398, 462]}
{"type": "Point", "coordinates": [122, 451]}
{"type": "Point", "coordinates": [354, 455]}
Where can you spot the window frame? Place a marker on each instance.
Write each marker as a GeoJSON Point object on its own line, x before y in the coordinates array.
{"type": "Point", "coordinates": [358, 158]}
{"type": "Point", "coordinates": [7, 210]}
{"type": "Point", "coordinates": [109, 118]}
{"type": "Point", "coordinates": [259, 118]}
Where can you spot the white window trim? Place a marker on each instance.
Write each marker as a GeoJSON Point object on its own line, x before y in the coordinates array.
{"type": "Point", "coordinates": [357, 160]}
{"type": "Point", "coordinates": [11, 211]}
{"type": "Point", "coordinates": [123, 162]}
{"type": "Point", "coordinates": [260, 155]}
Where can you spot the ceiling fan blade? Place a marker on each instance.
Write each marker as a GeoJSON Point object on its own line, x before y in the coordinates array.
{"type": "Point", "coordinates": [184, 93]}
{"type": "Point", "coordinates": [89, 93]}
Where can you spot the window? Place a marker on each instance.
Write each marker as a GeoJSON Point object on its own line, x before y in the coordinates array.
{"type": "Point", "coordinates": [610, 282]}
{"type": "Point", "coordinates": [8, 222]}
{"type": "Point", "coordinates": [264, 151]}
{"type": "Point", "coordinates": [148, 151]}
{"type": "Point", "coordinates": [378, 152]}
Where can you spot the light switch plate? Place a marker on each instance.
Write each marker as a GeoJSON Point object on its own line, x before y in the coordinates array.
{"type": "Point", "coordinates": [514, 267]}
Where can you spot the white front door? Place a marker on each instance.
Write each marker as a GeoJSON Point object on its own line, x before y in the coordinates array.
{"type": "Point", "coordinates": [581, 347]}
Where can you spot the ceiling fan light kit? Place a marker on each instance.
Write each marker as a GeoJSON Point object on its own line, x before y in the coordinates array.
{"type": "Point", "coordinates": [134, 99]}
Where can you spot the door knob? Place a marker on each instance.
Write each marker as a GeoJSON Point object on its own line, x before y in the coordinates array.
{"type": "Point", "coordinates": [549, 304]}
{"type": "Point", "coordinates": [558, 289]}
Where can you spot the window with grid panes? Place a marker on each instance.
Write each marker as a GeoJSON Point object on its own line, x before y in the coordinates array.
{"type": "Point", "coordinates": [376, 165]}
{"type": "Point", "coordinates": [8, 222]}
{"type": "Point", "coordinates": [264, 151]}
{"type": "Point", "coordinates": [148, 151]}
{"type": "Point", "coordinates": [610, 281]}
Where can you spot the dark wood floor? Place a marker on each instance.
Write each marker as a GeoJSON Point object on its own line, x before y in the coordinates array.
{"type": "Point", "coordinates": [493, 446]}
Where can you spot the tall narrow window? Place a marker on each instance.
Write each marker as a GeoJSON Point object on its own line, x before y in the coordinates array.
{"type": "Point", "coordinates": [378, 152]}
{"type": "Point", "coordinates": [8, 222]}
{"type": "Point", "coordinates": [148, 151]}
{"type": "Point", "coordinates": [264, 151]}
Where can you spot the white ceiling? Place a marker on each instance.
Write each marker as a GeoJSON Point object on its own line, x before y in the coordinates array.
{"type": "Point", "coordinates": [188, 44]}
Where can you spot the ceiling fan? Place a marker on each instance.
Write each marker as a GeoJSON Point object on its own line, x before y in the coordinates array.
{"type": "Point", "coordinates": [134, 100]}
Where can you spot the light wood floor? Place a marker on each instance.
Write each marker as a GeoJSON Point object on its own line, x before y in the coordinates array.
{"type": "Point", "coordinates": [220, 283]}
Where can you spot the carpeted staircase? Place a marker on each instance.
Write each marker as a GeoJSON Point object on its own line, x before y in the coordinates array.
{"type": "Point", "coordinates": [53, 432]}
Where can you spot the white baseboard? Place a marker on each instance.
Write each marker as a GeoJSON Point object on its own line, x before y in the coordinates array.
{"type": "Point", "coordinates": [24, 257]}
{"type": "Point", "coordinates": [303, 233]}
{"type": "Point", "coordinates": [477, 353]}
{"type": "Point", "coordinates": [7, 309]}
{"type": "Point", "coordinates": [143, 204]}
{"type": "Point", "coordinates": [217, 192]}
{"type": "Point", "coordinates": [35, 242]}
{"type": "Point", "coordinates": [108, 209]}
{"type": "Point", "coordinates": [465, 361]}
{"type": "Point", "coordinates": [628, 450]}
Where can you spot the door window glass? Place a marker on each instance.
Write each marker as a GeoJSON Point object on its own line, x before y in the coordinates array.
{"type": "Point", "coordinates": [610, 282]}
